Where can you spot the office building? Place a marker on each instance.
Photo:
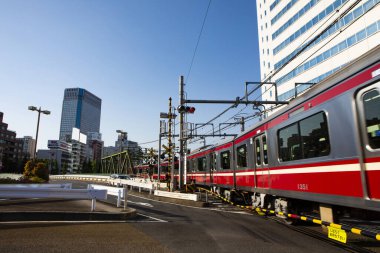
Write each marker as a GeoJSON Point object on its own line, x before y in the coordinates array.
{"type": "Point", "coordinates": [28, 146]}
{"type": "Point", "coordinates": [10, 149]}
{"type": "Point", "coordinates": [81, 109]}
{"type": "Point", "coordinates": [303, 42]}
{"type": "Point", "coordinates": [58, 156]}
{"type": "Point", "coordinates": [95, 146]}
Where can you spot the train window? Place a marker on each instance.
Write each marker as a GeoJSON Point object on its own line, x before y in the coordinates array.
{"type": "Point", "coordinates": [201, 164]}
{"type": "Point", "coordinates": [265, 149]}
{"type": "Point", "coordinates": [371, 101]}
{"type": "Point", "coordinates": [225, 160]}
{"type": "Point", "coordinates": [241, 152]}
{"type": "Point", "coordinates": [289, 146]}
{"type": "Point", "coordinates": [258, 151]}
{"type": "Point", "coordinates": [212, 162]}
{"type": "Point", "coordinates": [307, 138]}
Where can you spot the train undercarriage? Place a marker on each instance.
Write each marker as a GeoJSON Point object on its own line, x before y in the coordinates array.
{"type": "Point", "coordinates": [325, 212]}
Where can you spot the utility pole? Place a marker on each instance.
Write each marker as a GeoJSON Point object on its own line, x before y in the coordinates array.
{"type": "Point", "coordinates": [159, 158]}
{"type": "Point", "coordinates": [170, 167]}
{"type": "Point", "coordinates": [182, 141]}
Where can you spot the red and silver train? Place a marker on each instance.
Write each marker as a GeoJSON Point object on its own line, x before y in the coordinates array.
{"type": "Point", "coordinates": [323, 148]}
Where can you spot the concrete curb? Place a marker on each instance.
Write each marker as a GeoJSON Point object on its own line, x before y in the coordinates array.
{"type": "Point", "coordinates": [170, 200]}
{"type": "Point", "coordinates": [64, 216]}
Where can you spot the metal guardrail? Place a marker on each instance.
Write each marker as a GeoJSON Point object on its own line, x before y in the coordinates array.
{"type": "Point", "coordinates": [139, 183]}
{"type": "Point", "coordinates": [61, 193]}
{"type": "Point", "coordinates": [136, 182]}
{"type": "Point", "coordinates": [121, 193]}
{"type": "Point", "coordinates": [81, 177]}
{"type": "Point", "coordinates": [150, 186]}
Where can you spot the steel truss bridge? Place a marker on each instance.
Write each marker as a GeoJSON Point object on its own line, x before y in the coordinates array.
{"type": "Point", "coordinates": [119, 163]}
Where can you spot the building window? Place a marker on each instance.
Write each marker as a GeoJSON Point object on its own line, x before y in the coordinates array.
{"type": "Point", "coordinates": [308, 25]}
{"type": "Point", "coordinates": [361, 35]}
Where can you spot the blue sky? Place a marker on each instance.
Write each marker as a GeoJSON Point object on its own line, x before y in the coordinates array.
{"type": "Point", "coordinates": [130, 53]}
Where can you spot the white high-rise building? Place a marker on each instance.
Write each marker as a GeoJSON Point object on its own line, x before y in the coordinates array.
{"type": "Point", "coordinates": [336, 32]}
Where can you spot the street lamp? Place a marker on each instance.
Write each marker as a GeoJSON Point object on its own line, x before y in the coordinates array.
{"type": "Point", "coordinates": [33, 108]}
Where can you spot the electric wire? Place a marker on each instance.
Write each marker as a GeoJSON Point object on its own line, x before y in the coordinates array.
{"type": "Point", "coordinates": [303, 49]}
{"type": "Point", "coordinates": [290, 60]}
{"type": "Point", "coordinates": [199, 38]}
{"type": "Point", "coordinates": [340, 31]}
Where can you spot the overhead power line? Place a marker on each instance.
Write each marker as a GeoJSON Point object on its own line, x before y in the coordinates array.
{"type": "Point", "coordinates": [199, 38]}
{"type": "Point", "coordinates": [292, 58]}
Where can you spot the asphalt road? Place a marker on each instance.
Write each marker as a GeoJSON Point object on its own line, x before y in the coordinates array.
{"type": "Point", "coordinates": [163, 227]}
{"type": "Point", "coordinates": [191, 229]}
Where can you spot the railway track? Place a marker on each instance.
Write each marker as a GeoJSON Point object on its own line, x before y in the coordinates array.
{"type": "Point", "coordinates": [355, 243]}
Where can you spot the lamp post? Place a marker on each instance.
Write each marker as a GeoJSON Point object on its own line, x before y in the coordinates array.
{"type": "Point", "coordinates": [123, 136]}
{"type": "Point", "coordinates": [33, 108]}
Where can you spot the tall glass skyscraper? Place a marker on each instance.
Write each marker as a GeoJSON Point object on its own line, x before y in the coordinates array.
{"type": "Point", "coordinates": [81, 109]}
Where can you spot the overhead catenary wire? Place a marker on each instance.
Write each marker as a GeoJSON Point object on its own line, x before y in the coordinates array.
{"type": "Point", "coordinates": [198, 40]}
{"type": "Point", "coordinates": [303, 48]}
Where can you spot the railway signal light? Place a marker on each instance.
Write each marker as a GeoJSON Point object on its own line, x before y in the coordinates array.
{"type": "Point", "coordinates": [186, 109]}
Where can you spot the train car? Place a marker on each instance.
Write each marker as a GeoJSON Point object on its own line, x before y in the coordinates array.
{"type": "Point", "coordinates": [152, 170]}
{"type": "Point", "coordinates": [323, 148]}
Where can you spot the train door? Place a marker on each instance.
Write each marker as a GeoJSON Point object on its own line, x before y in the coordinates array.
{"type": "Point", "coordinates": [260, 152]}
{"type": "Point", "coordinates": [368, 105]}
{"type": "Point", "coordinates": [212, 166]}
{"type": "Point", "coordinates": [202, 169]}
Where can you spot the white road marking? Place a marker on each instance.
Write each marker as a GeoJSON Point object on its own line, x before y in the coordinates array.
{"type": "Point", "coordinates": [150, 217]}
{"type": "Point", "coordinates": [139, 203]}
{"type": "Point", "coordinates": [194, 207]}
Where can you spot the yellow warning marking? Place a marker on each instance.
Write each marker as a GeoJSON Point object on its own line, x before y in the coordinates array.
{"type": "Point", "coordinates": [317, 221]}
{"type": "Point", "coordinates": [337, 234]}
{"type": "Point", "coordinates": [335, 225]}
{"type": "Point", "coordinates": [356, 231]}
{"type": "Point", "coordinates": [378, 237]}
{"type": "Point", "coordinates": [303, 218]}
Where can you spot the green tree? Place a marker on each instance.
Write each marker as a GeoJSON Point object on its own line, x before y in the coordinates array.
{"type": "Point", "coordinates": [36, 169]}
{"type": "Point", "coordinates": [54, 167]}
{"type": "Point", "coordinates": [95, 166]}
{"type": "Point", "coordinates": [64, 168]}
{"type": "Point", "coordinates": [86, 167]}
